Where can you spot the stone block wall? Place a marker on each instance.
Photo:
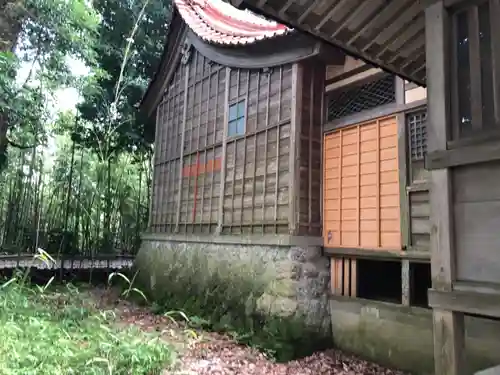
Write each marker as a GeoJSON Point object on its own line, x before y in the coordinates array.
{"type": "Point", "coordinates": [287, 281]}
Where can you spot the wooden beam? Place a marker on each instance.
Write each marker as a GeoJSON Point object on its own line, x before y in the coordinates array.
{"type": "Point", "coordinates": [308, 10]}
{"type": "Point", "coordinates": [334, 7]}
{"type": "Point", "coordinates": [372, 114]}
{"type": "Point", "coordinates": [480, 153]}
{"type": "Point", "coordinates": [265, 54]}
{"type": "Point", "coordinates": [358, 253]}
{"type": "Point", "coordinates": [448, 326]}
{"type": "Point", "coordinates": [485, 304]}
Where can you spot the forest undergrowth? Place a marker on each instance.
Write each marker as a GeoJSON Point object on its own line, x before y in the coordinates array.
{"type": "Point", "coordinates": [57, 329]}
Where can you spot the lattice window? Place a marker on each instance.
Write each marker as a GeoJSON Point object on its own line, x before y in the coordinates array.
{"type": "Point", "coordinates": [417, 132]}
{"type": "Point", "coordinates": [344, 102]}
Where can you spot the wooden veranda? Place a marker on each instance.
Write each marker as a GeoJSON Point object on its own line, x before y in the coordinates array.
{"type": "Point", "coordinates": [452, 47]}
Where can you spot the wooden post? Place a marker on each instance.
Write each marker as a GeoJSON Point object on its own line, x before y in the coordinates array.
{"type": "Point", "coordinates": [296, 123]}
{"type": "Point", "coordinates": [181, 156]}
{"type": "Point", "coordinates": [448, 326]}
{"type": "Point", "coordinates": [220, 221]}
{"type": "Point", "coordinates": [404, 204]}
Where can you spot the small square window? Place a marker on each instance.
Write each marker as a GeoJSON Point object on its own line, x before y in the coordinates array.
{"type": "Point", "coordinates": [236, 125]}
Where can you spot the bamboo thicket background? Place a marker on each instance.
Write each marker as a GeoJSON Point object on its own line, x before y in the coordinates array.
{"type": "Point", "coordinates": [67, 199]}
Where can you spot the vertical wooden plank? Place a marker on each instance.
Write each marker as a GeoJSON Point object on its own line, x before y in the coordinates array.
{"type": "Point", "coordinates": [254, 177]}
{"type": "Point", "coordinates": [277, 175]}
{"type": "Point", "coordinates": [341, 141]}
{"type": "Point", "coordinates": [212, 173]}
{"type": "Point", "coordinates": [339, 273]}
{"type": "Point", "coordinates": [160, 166]}
{"type": "Point", "coordinates": [155, 173]}
{"type": "Point", "coordinates": [405, 282]}
{"type": "Point", "coordinates": [448, 326]}
{"type": "Point", "coordinates": [475, 68]}
{"type": "Point", "coordinates": [495, 54]}
{"type": "Point", "coordinates": [181, 154]}
{"type": "Point", "coordinates": [198, 136]}
{"type": "Point", "coordinates": [454, 114]}
{"type": "Point", "coordinates": [346, 283]}
{"type": "Point", "coordinates": [322, 146]}
{"type": "Point", "coordinates": [268, 104]}
{"type": "Point", "coordinates": [358, 187]}
{"type": "Point", "coordinates": [403, 156]}
{"type": "Point", "coordinates": [247, 97]}
{"type": "Point", "coordinates": [160, 114]}
{"type": "Point", "coordinates": [235, 152]}
{"type": "Point", "coordinates": [191, 131]}
{"type": "Point", "coordinates": [399, 85]}
{"type": "Point", "coordinates": [296, 121]}
{"type": "Point", "coordinates": [377, 186]}
{"type": "Point", "coordinates": [333, 276]}
{"type": "Point", "coordinates": [205, 161]}
{"type": "Point", "coordinates": [354, 278]}
{"type": "Point", "coordinates": [312, 89]}
{"type": "Point", "coordinates": [224, 151]}
{"type": "Point", "coordinates": [168, 159]}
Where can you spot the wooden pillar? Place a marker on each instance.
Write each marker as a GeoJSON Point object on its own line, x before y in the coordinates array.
{"type": "Point", "coordinates": [448, 326]}
{"type": "Point", "coordinates": [294, 157]}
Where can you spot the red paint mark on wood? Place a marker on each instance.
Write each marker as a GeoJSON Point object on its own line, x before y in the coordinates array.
{"type": "Point", "coordinates": [196, 169]}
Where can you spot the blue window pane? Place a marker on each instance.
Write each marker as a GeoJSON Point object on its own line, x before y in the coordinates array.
{"type": "Point", "coordinates": [232, 128]}
{"type": "Point", "coordinates": [233, 112]}
{"type": "Point", "coordinates": [241, 108]}
{"type": "Point", "coordinates": [240, 125]}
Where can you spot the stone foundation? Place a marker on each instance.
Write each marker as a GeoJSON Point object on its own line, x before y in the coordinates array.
{"type": "Point", "coordinates": [401, 337]}
{"type": "Point", "coordinates": [284, 281]}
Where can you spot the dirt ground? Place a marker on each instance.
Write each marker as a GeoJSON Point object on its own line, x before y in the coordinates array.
{"type": "Point", "coordinates": [207, 353]}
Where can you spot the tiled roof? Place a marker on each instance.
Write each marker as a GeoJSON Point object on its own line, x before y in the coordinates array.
{"type": "Point", "coordinates": [216, 21]}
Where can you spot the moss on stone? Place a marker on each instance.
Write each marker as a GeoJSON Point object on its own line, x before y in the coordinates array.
{"type": "Point", "coordinates": [249, 291]}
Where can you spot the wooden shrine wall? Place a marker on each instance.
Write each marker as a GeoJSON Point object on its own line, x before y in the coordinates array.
{"type": "Point", "coordinates": [206, 179]}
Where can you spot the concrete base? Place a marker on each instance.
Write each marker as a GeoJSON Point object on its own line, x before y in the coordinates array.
{"type": "Point", "coordinates": [401, 337]}
{"type": "Point", "coordinates": [491, 371]}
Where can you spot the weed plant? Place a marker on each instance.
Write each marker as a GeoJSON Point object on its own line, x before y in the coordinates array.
{"type": "Point", "coordinates": [54, 331]}
{"type": "Point", "coordinates": [223, 296]}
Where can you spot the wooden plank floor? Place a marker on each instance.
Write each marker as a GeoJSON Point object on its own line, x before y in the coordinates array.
{"type": "Point", "coordinates": [77, 262]}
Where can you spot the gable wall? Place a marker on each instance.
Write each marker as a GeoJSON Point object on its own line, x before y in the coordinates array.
{"type": "Point", "coordinates": [196, 163]}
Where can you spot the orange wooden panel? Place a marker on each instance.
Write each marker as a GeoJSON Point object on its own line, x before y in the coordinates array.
{"type": "Point", "coordinates": [361, 187]}
{"type": "Point", "coordinates": [343, 276]}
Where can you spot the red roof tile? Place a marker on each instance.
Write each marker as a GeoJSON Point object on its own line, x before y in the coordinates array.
{"type": "Point", "coordinates": [218, 22]}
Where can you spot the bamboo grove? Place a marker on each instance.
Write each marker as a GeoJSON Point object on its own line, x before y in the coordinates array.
{"type": "Point", "coordinates": [72, 202]}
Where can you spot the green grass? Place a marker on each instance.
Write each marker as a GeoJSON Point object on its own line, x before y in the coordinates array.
{"type": "Point", "coordinates": [57, 331]}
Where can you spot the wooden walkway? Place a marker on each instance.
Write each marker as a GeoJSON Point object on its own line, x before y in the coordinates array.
{"type": "Point", "coordinates": [111, 261]}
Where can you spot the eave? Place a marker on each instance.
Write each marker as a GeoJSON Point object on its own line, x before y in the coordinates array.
{"type": "Point", "coordinates": [389, 34]}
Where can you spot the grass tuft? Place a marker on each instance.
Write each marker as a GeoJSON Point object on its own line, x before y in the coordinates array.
{"type": "Point", "coordinates": [56, 331]}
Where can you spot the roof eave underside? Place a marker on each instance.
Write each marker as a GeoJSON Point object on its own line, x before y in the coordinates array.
{"type": "Point", "coordinates": [389, 34]}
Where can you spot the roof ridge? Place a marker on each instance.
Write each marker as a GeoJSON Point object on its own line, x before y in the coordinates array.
{"type": "Point", "coordinates": [219, 22]}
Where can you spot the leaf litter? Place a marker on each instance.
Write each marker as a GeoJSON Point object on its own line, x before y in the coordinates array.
{"type": "Point", "coordinates": [210, 353]}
